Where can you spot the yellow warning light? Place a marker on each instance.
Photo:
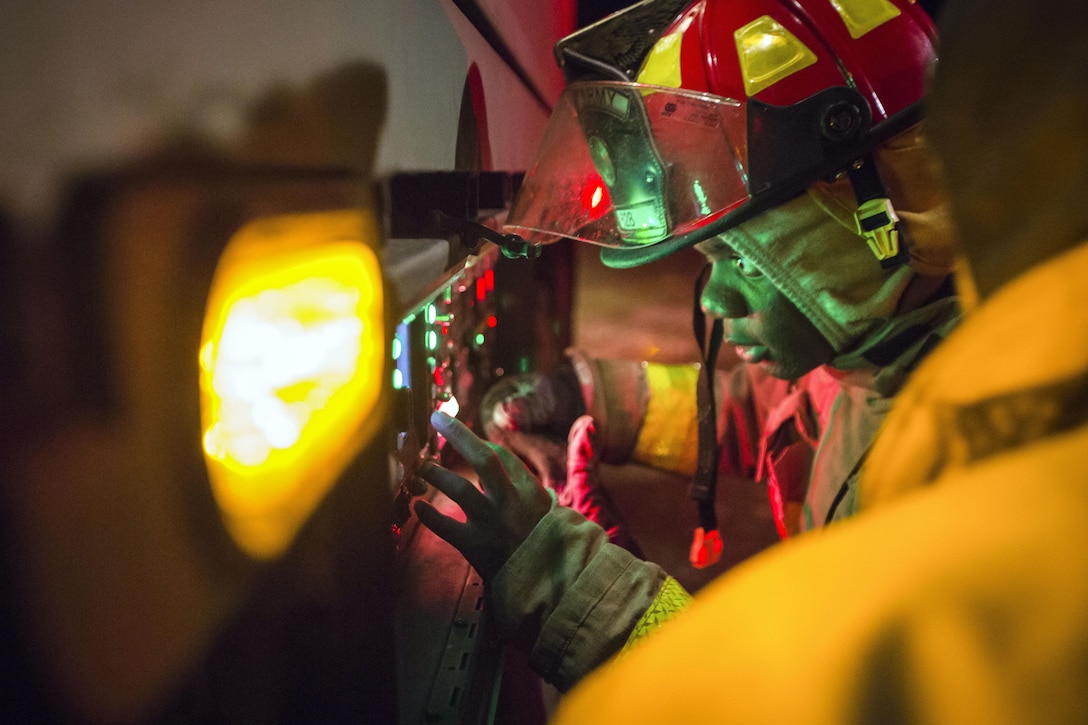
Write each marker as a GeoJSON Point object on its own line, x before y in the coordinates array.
{"type": "Point", "coordinates": [292, 361]}
{"type": "Point", "coordinates": [768, 53]}
{"type": "Point", "coordinates": [861, 16]}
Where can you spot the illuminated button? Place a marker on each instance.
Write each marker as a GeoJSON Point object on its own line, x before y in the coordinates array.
{"type": "Point", "coordinates": [450, 406]}
{"type": "Point", "coordinates": [431, 340]}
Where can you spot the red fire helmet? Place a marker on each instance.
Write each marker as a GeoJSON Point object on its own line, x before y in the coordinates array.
{"type": "Point", "coordinates": [681, 120]}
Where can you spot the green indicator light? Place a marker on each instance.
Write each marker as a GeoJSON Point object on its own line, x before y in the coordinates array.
{"type": "Point", "coordinates": [430, 314]}
{"type": "Point", "coordinates": [432, 340]}
{"type": "Point", "coordinates": [479, 338]}
{"type": "Point", "coordinates": [447, 297]}
{"type": "Point", "coordinates": [396, 348]}
{"type": "Point", "coordinates": [398, 379]}
{"type": "Point", "coordinates": [523, 364]}
{"type": "Point", "coordinates": [700, 195]}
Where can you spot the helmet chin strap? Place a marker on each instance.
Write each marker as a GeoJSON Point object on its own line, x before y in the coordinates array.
{"type": "Point", "coordinates": [706, 545]}
{"type": "Point", "coordinates": [877, 221]}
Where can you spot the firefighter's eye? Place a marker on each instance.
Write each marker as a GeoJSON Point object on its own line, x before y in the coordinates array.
{"type": "Point", "coordinates": [744, 266]}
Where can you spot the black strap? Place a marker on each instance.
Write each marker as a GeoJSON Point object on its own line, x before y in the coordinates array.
{"type": "Point", "coordinates": [865, 178]}
{"type": "Point", "coordinates": [704, 483]}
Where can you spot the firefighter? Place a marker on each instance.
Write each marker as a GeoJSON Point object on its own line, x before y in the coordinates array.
{"type": "Point", "coordinates": [959, 594]}
{"type": "Point", "coordinates": [826, 333]}
{"type": "Point", "coordinates": [783, 141]}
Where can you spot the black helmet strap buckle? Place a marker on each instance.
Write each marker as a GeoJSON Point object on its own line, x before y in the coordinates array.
{"type": "Point", "coordinates": [877, 221]}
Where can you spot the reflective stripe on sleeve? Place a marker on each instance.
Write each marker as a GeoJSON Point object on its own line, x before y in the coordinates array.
{"type": "Point", "coordinates": [669, 438]}
{"type": "Point", "coordinates": [670, 601]}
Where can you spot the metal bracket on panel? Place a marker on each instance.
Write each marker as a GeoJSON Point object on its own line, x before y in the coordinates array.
{"type": "Point", "coordinates": [453, 685]}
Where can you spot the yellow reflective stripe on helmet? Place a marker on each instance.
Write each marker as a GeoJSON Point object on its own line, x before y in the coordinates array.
{"type": "Point", "coordinates": [670, 601]}
{"type": "Point", "coordinates": [861, 16]}
{"type": "Point", "coordinates": [768, 53]}
{"type": "Point", "coordinates": [669, 437]}
{"type": "Point", "coordinates": [662, 64]}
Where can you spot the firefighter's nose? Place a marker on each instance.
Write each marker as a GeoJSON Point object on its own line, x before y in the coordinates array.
{"type": "Point", "coordinates": [722, 300]}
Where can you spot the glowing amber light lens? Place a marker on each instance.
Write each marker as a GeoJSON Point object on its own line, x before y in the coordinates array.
{"type": "Point", "coordinates": [292, 360]}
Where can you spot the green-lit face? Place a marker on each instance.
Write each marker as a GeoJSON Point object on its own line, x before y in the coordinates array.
{"type": "Point", "coordinates": [763, 326]}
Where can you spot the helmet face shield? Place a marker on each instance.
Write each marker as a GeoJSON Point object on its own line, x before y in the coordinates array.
{"type": "Point", "coordinates": [737, 107]}
{"type": "Point", "coordinates": [626, 166]}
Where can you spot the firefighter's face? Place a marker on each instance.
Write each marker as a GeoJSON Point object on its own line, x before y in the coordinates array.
{"type": "Point", "coordinates": [762, 325]}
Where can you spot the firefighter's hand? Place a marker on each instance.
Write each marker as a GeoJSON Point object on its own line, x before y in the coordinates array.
{"type": "Point", "coordinates": [500, 516]}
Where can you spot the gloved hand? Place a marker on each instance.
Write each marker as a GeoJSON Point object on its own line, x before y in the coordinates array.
{"type": "Point", "coordinates": [498, 518]}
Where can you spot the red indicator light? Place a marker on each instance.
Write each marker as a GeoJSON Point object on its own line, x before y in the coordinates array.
{"type": "Point", "coordinates": [492, 321]}
{"type": "Point", "coordinates": [595, 197]}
